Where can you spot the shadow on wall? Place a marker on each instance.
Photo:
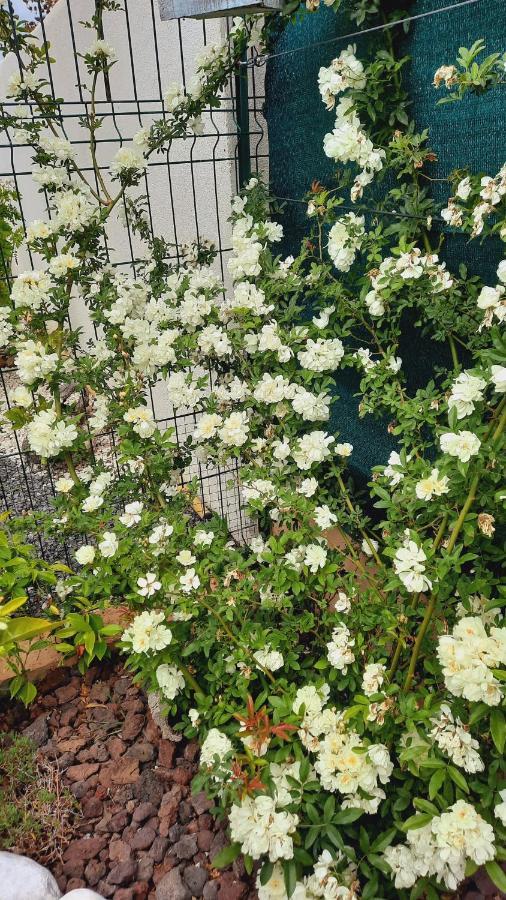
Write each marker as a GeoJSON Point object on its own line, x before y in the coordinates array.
{"type": "Point", "coordinates": [470, 133]}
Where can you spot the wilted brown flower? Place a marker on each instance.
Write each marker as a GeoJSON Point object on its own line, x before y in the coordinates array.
{"type": "Point", "coordinates": [486, 524]}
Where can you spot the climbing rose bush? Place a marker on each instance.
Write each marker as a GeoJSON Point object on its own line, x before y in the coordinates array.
{"type": "Point", "coordinates": [343, 664]}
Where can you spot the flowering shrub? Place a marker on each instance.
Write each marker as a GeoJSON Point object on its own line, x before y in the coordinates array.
{"type": "Point", "coordinates": [344, 669]}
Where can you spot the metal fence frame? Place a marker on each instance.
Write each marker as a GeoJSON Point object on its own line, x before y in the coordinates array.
{"type": "Point", "coordinates": [26, 485]}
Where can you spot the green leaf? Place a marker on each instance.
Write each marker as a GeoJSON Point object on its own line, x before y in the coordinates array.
{"type": "Point", "coordinates": [383, 841]}
{"type": "Point", "coordinates": [27, 693]}
{"type": "Point", "coordinates": [333, 834]}
{"type": "Point", "coordinates": [417, 821]}
{"type": "Point", "coordinates": [25, 628]}
{"type": "Point", "coordinates": [425, 807]}
{"type": "Point", "coordinates": [436, 781]}
{"type": "Point", "coordinates": [346, 816]}
{"type": "Point", "coordinates": [498, 729]}
{"type": "Point", "coordinates": [290, 873]}
{"type": "Point", "coordinates": [458, 778]}
{"type": "Point", "coordinates": [379, 863]}
{"type": "Point", "coordinates": [496, 874]}
{"type": "Point", "coordinates": [226, 856]}
{"type": "Point", "coordinates": [12, 605]}
{"type": "Point", "coordinates": [329, 808]}
{"type": "Point", "coordinates": [266, 873]}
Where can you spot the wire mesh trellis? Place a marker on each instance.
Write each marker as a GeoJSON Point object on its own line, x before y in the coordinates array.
{"type": "Point", "coordinates": [188, 192]}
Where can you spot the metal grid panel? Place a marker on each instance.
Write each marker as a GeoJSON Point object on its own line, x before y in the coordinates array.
{"type": "Point", "coordinates": [188, 191]}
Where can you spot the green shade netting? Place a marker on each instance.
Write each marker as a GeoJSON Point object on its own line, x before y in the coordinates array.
{"type": "Point", "coordinates": [467, 133]}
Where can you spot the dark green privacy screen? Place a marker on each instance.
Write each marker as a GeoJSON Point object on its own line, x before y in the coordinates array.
{"type": "Point", "coordinates": [468, 133]}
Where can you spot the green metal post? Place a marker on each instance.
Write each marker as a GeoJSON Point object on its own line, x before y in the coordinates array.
{"type": "Point", "coordinates": [242, 117]}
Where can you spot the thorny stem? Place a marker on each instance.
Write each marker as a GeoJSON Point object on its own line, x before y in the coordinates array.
{"type": "Point", "coordinates": [352, 510]}
{"type": "Point", "coordinates": [437, 540]}
{"type": "Point", "coordinates": [93, 142]}
{"type": "Point", "coordinates": [188, 677]}
{"type": "Point", "coordinates": [453, 350]}
{"type": "Point", "coordinates": [395, 659]}
{"type": "Point", "coordinates": [429, 612]}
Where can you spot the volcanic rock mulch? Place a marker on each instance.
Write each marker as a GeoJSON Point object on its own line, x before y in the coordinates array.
{"type": "Point", "coordinates": [139, 834]}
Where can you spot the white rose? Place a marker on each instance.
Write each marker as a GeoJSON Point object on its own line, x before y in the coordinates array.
{"type": "Point", "coordinates": [85, 554]}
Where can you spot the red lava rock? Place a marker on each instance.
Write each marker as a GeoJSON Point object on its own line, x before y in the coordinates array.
{"type": "Point", "coordinates": [144, 811]}
{"type": "Point", "coordinates": [143, 838]}
{"type": "Point", "coordinates": [85, 848]}
{"type": "Point", "coordinates": [132, 726]}
{"type": "Point", "coordinates": [49, 702]}
{"type": "Point", "coordinates": [142, 750]}
{"type": "Point", "coordinates": [116, 747]}
{"type": "Point", "coordinates": [92, 808]}
{"type": "Point", "coordinates": [160, 871]}
{"type": "Point", "coordinates": [94, 871]}
{"type": "Point", "coordinates": [172, 887]}
{"type": "Point", "coordinates": [140, 889]}
{"type": "Point", "coordinates": [191, 751]}
{"type": "Point", "coordinates": [119, 821]}
{"type": "Point", "coordinates": [105, 889]}
{"type": "Point", "coordinates": [204, 840]}
{"type": "Point", "coordinates": [67, 693]}
{"type": "Point", "coordinates": [82, 771]}
{"type": "Point", "coordinates": [186, 847]}
{"type": "Point", "coordinates": [71, 745]}
{"type": "Point", "coordinates": [169, 808]}
{"type": "Point", "coordinates": [200, 803]}
{"type": "Point", "coordinates": [181, 775]}
{"type": "Point", "coordinates": [185, 812]}
{"type": "Point", "coordinates": [195, 877]}
{"type": "Point", "coordinates": [81, 788]}
{"type": "Point", "coordinates": [166, 750]}
{"type": "Point", "coordinates": [100, 692]}
{"type": "Point", "coordinates": [124, 894]}
{"type": "Point", "coordinates": [54, 678]}
{"type": "Point", "coordinates": [149, 787]}
{"type": "Point", "coordinates": [158, 848]}
{"type": "Point", "coordinates": [151, 731]}
{"type": "Point", "coordinates": [121, 771]}
{"type": "Point", "coordinates": [230, 888]}
{"type": "Point", "coordinates": [68, 716]}
{"type": "Point", "coordinates": [145, 866]}
{"type": "Point", "coordinates": [121, 685]}
{"type": "Point", "coordinates": [98, 752]}
{"type": "Point", "coordinates": [37, 731]}
{"type": "Point", "coordinates": [73, 867]}
{"type": "Point", "coordinates": [120, 851]}
{"type": "Point", "coordinates": [105, 715]}
{"type": "Point", "coordinates": [123, 872]}
{"type": "Point", "coordinates": [64, 761]}
{"type": "Point", "coordinates": [220, 841]}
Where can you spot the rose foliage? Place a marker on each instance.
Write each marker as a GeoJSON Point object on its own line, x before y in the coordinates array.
{"type": "Point", "coordinates": [344, 668]}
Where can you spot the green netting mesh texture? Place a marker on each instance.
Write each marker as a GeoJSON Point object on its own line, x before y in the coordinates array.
{"type": "Point", "coordinates": [470, 132]}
